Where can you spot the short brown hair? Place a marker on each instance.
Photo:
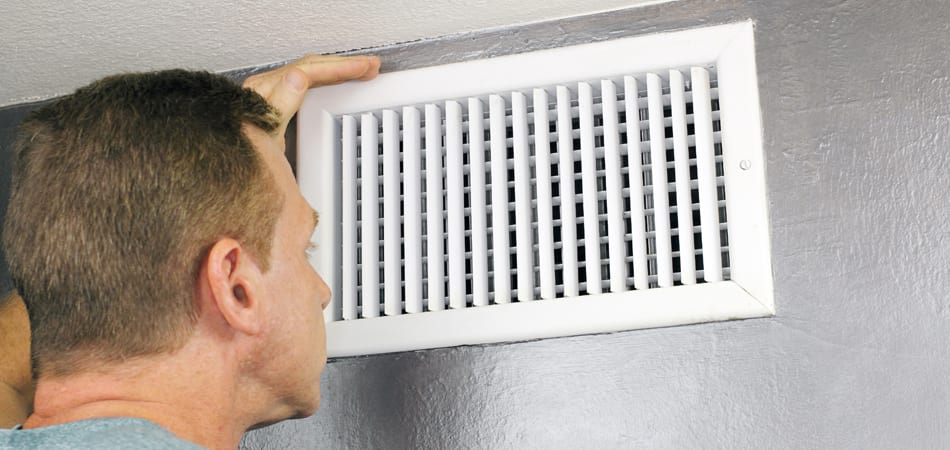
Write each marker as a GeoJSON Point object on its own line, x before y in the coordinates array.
{"type": "Point", "coordinates": [119, 190]}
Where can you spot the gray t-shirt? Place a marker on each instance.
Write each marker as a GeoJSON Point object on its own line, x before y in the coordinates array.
{"type": "Point", "coordinates": [109, 433]}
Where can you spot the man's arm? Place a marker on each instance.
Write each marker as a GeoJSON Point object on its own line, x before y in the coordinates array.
{"type": "Point", "coordinates": [16, 381]}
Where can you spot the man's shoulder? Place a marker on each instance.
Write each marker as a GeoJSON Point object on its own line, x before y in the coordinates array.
{"type": "Point", "coordinates": [116, 433]}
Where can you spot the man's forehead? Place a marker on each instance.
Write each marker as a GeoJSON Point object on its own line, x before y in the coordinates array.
{"type": "Point", "coordinates": [262, 140]}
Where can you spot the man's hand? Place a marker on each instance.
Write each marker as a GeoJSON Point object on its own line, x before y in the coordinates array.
{"type": "Point", "coordinates": [284, 88]}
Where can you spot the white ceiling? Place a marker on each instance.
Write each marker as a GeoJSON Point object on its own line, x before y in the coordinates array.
{"type": "Point", "coordinates": [51, 47]}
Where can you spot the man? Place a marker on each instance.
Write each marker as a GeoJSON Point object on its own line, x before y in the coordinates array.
{"type": "Point", "coordinates": [16, 384]}
{"type": "Point", "coordinates": [160, 244]}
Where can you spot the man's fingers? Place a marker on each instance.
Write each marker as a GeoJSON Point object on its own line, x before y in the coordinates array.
{"type": "Point", "coordinates": [259, 83]}
{"type": "Point", "coordinates": [284, 88]}
{"type": "Point", "coordinates": [375, 63]}
{"type": "Point", "coordinates": [287, 94]}
{"type": "Point", "coordinates": [328, 70]}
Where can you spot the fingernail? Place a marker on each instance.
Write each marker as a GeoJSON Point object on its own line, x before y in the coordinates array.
{"type": "Point", "coordinates": [295, 80]}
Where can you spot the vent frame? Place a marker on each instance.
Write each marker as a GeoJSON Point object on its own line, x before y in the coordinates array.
{"type": "Point", "coordinates": [747, 293]}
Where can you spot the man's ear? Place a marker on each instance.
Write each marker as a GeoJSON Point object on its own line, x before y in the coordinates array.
{"type": "Point", "coordinates": [233, 280]}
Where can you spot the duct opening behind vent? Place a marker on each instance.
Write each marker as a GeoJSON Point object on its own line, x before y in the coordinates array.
{"type": "Point", "coordinates": [562, 193]}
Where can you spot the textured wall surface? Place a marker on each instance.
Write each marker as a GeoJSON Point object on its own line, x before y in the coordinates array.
{"type": "Point", "coordinates": [856, 114]}
{"type": "Point", "coordinates": [51, 47]}
{"type": "Point", "coordinates": [856, 110]}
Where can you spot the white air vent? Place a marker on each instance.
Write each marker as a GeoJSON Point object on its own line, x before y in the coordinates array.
{"type": "Point", "coordinates": [602, 187]}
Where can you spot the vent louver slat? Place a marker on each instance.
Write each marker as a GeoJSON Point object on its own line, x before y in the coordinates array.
{"type": "Point", "coordinates": [661, 220]}
{"type": "Point", "coordinates": [453, 203]}
{"type": "Point", "coordinates": [635, 172]}
{"type": "Point", "coordinates": [615, 212]}
{"type": "Point", "coordinates": [545, 203]}
{"type": "Point", "coordinates": [523, 244]}
{"type": "Point", "coordinates": [392, 218]}
{"type": "Point", "coordinates": [412, 145]}
{"type": "Point", "coordinates": [683, 188]}
{"type": "Point", "coordinates": [369, 205]}
{"type": "Point", "coordinates": [499, 197]}
{"type": "Point", "coordinates": [585, 100]}
{"type": "Point", "coordinates": [479, 210]}
{"type": "Point", "coordinates": [435, 271]}
{"type": "Point", "coordinates": [706, 167]}
{"type": "Point", "coordinates": [568, 213]}
{"type": "Point", "coordinates": [350, 219]}
{"type": "Point", "coordinates": [519, 210]}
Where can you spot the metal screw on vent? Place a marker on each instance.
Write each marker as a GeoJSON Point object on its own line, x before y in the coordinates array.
{"type": "Point", "coordinates": [745, 164]}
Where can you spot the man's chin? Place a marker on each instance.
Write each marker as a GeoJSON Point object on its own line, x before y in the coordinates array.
{"type": "Point", "coordinates": [308, 409]}
{"type": "Point", "coordinates": [296, 409]}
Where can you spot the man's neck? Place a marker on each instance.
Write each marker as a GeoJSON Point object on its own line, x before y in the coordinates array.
{"type": "Point", "coordinates": [191, 395]}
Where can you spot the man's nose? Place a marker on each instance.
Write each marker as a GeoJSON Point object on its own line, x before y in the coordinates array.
{"type": "Point", "coordinates": [324, 292]}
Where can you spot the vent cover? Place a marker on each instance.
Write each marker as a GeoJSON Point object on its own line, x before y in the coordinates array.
{"type": "Point", "coordinates": [552, 193]}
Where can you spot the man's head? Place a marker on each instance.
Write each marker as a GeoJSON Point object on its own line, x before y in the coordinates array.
{"type": "Point", "coordinates": [119, 191]}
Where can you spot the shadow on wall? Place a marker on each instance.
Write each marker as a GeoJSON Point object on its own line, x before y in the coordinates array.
{"type": "Point", "coordinates": [10, 118]}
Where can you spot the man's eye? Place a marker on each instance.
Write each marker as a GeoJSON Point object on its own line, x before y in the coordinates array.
{"type": "Point", "coordinates": [312, 250]}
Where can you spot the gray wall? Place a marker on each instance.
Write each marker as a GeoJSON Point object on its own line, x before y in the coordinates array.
{"type": "Point", "coordinates": [856, 108]}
